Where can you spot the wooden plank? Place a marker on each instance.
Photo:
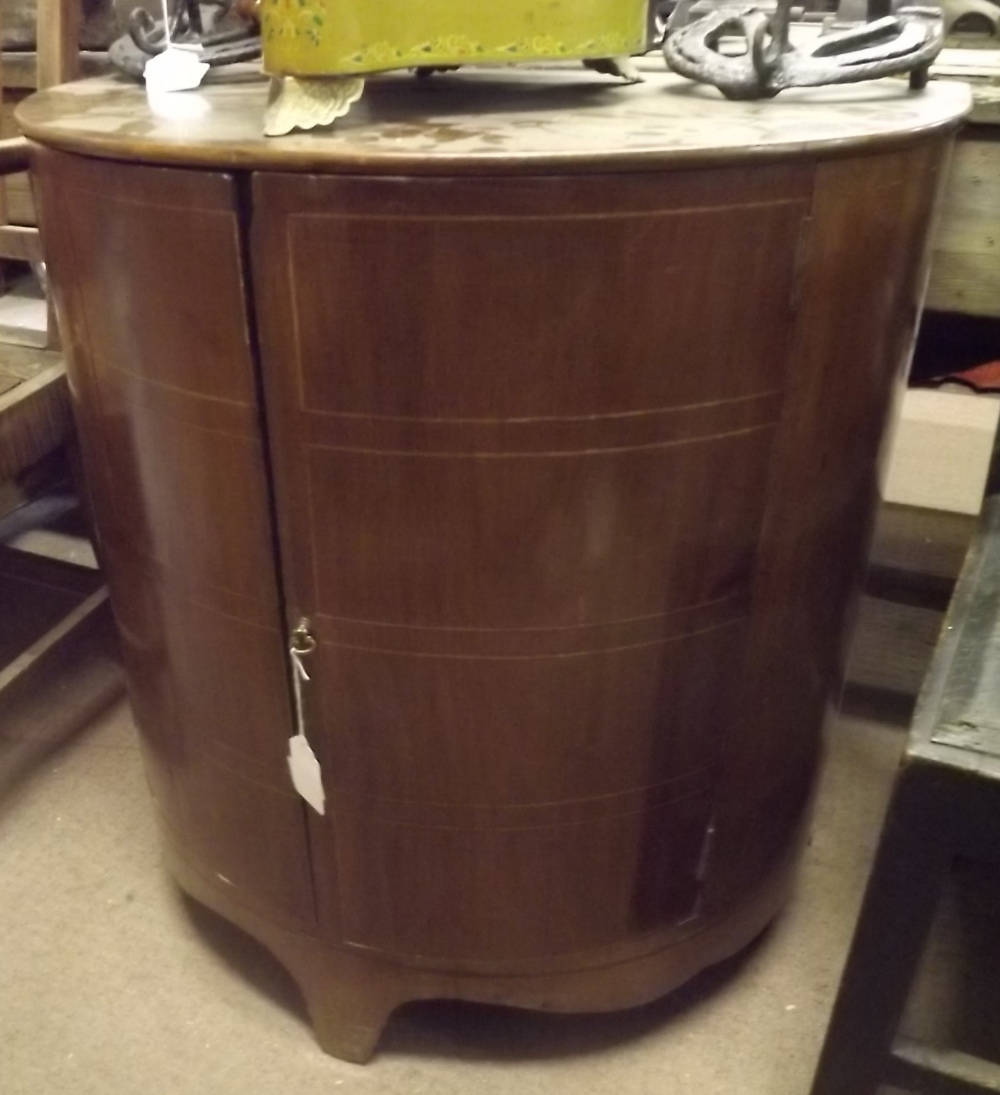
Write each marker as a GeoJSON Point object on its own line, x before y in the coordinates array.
{"type": "Point", "coordinates": [965, 63]}
{"type": "Point", "coordinates": [965, 282]}
{"type": "Point", "coordinates": [20, 202]}
{"type": "Point", "coordinates": [59, 41]}
{"type": "Point", "coordinates": [63, 690]}
{"type": "Point", "coordinates": [34, 420]}
{"type": "Point", "coordinates": [4, 218]}
{"type": "Point", "coordinates": [891, 651]}
{"type": "Point", "coordinates": [922, 542]}
{"type": "Point", "coordinates": [37, 597]}
{"type": "Point", "coordinates": [53, 340]}
{"type": "Point", "coordinates": [21, 242]}
{"type": "Point", "coordinates": [925, 1070]}
{"type": "Point", "coordinates": [24, 362]}
{"type": "Point", "coordinates": [20, 69]}
{"type": "Point", "coordinates": [28, 662]}
{"type": "Point", "coordinates": [76, 660]}
{"type": "Point", "coordinates": [985, 104]}
{"type": "Point", "coordinates": [980, 69]}
{"type": "Point", "coordinates": [32, 385]}
{"type": "Point", "coordinates": [942, 450]}
{"type": "Point", "coordinates": [50, 571]}
{"type": "Point", "coordinates": [965, 270]}
{"type": "Point", "coordinates": [915, 559]}
{"type": "Point", "coordinates": [43, 476]}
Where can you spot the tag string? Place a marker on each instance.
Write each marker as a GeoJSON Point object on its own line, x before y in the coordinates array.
{"type": "Point", "coordinates": [299, 675]}
{"type": "Point", "coordinates": [166, 23]}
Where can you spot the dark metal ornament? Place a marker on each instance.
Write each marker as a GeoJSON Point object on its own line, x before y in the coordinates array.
{"type": "Point", "coordinates": [189, 26]}
{"type": "Point", "coordinates": [904, 42]}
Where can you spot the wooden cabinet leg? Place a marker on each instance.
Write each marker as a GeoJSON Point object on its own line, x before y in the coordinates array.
{"type": "Point", "coordinates": [346, 1027]}
{"type": "Point", "coordinates": [912, 863]}
{"type": "Point", "coordinates": [348, 1006]}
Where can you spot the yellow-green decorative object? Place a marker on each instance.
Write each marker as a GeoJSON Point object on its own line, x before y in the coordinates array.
{"type": "Point", "coordinates": [345, 37]}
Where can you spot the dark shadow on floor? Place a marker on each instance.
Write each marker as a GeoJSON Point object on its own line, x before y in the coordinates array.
{"type": "Point", "coordinates": [249, 960]}
{"type": "Point", "coordinates": [885, 705]}
{"type": "Point", "coordinates": [480, 1032]}
{"type": "Point", "coordinates": [471, 1032]}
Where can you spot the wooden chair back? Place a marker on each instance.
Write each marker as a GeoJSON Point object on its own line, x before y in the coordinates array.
{"type": "Point", "coordinates": [57, 61]}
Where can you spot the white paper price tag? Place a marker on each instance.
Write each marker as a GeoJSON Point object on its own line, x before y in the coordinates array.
{"type": "Point", "coordinates": [175, 69]}
{"type": "Point", "coordinates": [307, 776]}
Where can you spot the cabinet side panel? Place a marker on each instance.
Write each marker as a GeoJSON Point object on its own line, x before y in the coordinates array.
{"type": "Point", "coordinates": [864, 273]}
{"type": "Point", "coordinates": [147, 269]}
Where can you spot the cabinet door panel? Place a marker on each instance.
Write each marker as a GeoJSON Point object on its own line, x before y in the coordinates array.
{"type": "Point", "coordinates": [521, 466]}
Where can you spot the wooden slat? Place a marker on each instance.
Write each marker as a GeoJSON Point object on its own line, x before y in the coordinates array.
{"type": "Point", "coordinates": [34, 419]}
{"type": "Point", "coordinates": [20, 207]}
{"type": "Point", "coordinates": [61, 692]}
{"type": "Point", "coordinates": [985, 105]}
{"type": "Point", "coordinates": [924, 1070]}
{"type": "Point", "coordinates": [25, 362]}
{"type": "Point", "coordinates": [4, 217]}
{"type": "Point", "coordinates": [957, 63]}
{"type": "Point", "coordinates": [58, 61]}
{"type": "Point", "coordinates": [965, 272]}
{"type": "Point", "coordinates": [20, 203]}
{"type": "Point", "coordinates": [54, 335]}
{"type": "Point", "coordinates": [916, 557]}
{"type": "Point", "coordinates": [48, 571]}
{"type": "Point", "coordinates": [20, 69]}
{"type": "Point", "coordinates": [980, 68]}
{"type": "Point", "coordinates": [42, 477]}
{"type": "Point", "coordinates": [924, 543]}
{"type": "Point", "coordinates": [15, 155]}
{"type": "Point", "coordinates": [20, 242]}
{"type": "Point", "coordinates": [33, 659]}
{"type": "Point", "coordinates": [58, 41]}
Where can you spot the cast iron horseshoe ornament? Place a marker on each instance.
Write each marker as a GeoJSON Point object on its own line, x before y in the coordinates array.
{"type": "Point", "coordinates": [905, 42]}
{"type": "Point", "coordinates": [146, 37]}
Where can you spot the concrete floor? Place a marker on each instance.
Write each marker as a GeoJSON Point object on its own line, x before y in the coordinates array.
{"type": "Point", "coordinates": [113, 982]}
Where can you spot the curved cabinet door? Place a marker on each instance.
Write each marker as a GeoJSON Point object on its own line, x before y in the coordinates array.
{"type": "Point", "coordinates": [522, 433]}
{"type": "Point", "coordinates": [154, 315]}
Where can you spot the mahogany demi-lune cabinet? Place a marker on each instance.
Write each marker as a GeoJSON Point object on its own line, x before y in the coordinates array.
{"type": "Point", "coordinates": [549, 412]}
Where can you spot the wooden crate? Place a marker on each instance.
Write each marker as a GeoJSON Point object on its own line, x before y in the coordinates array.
{"type": "Point", "coordinates": [965, 270]}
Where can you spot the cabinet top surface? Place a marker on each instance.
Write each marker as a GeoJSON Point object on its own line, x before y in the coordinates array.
{"type": "Point", "coordinates": [489, 122]}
